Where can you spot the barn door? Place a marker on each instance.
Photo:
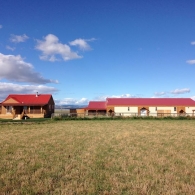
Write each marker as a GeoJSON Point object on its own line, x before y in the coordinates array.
{"type": "Point", "coordinates": [143, 112]}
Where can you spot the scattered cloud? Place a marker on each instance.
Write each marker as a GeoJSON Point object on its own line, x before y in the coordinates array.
{"type": "Point", "coordinates": [100, 98]}
{"type": "Point", "coordinates": [51, 48]}
{"type": "Point", "coordinates": [82, 43]}
{"type": "Point", "coordinates": [103, 98]}
{"type": "Point", "coordinates": [72, 101]}
{"type": "Point", "coordinates": [175, 92]}
{"type": "Point", "coordinates": [160, 93]}
{"type": "Point", "coordinates": [180, 91]}
{"type": "Point", "coordinates": [14, 68]}
{"type": "Point", "coordinates": [1, 26]}
{"type": "Point", "coordinates": [10, 48]}
{"type": "Point", "coordinates": [11, 88]}
{"type": "Point", "coordinates": [18, 38]}
{"type": "Point", "coordinates": [123, 96]}
{"type": "Point", "coordinates": [191, 61]}
{"type": "Point", "coordinates": [193, 43]}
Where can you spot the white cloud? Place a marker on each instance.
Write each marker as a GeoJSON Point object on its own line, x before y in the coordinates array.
{"type": "Point", "coordinates": [193, 97]}
{"type": "Point", "coordinates": [10, 48]}
{"type": "Point", "coordinates": [72, 101]}
{"type": "Point", "coordinates": [180, 91]}
{"type": "Point", "coordinates": [11, 88]}
{"type": "Point", "coordinates": [50, 47]}
{"type": "Point", "coordinates": [81, 43]}
{"type": "Point", "coordinates": [14, 68]}
{"type": "Point", "coordinates": [1, 26]}
{"type": "Point", "coordinates": [193, 43]}
{"type": "Point", "coordinates": [18, 38]}
{"type": "Point", "coordinates": [191, 61]}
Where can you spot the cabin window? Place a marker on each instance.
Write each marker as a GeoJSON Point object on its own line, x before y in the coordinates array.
{"type": "Point", "coordinates": [49, 107]}
{"type": "Point", "coordinates": [9, 109]}
{"type": "Point", "coordinates": [175, 109]}
{"type": "Point", "coordinates": [128, 108]}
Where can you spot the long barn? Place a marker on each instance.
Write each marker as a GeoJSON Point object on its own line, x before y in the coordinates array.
{"type": "Point", "coordinates": [143, 106]}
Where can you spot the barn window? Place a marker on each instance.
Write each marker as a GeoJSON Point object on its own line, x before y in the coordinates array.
{"type": "Point", "coordinates": [175, 109]}
{"type": "Point", "coordinates": [156, 108]}
{"type": "Point", "coordinates": [128, 108]}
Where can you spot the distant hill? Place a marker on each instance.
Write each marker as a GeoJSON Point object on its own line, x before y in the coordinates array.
{"type": "Point", "coordinates": [69, 106]}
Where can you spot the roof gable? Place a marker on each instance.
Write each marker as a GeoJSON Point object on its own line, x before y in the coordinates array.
{"type": "Point", "coordinates": [10, 100]}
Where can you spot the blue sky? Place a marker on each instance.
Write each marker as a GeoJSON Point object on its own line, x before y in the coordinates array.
{"type": "Point", "coordinates": [82, 50]}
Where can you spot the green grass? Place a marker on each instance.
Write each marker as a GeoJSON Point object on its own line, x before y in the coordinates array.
{"type": "Point", "coordinates": [98, 157]}
{"type": "Point", "coordinates": [25, 121]}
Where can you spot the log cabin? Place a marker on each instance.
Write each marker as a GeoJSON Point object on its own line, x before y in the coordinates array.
{"type": "Point", "coordinates": [22, 106]}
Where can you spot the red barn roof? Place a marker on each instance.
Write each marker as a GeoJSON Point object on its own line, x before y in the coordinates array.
{"type": "Point", "coordinates": [150, 102]}
{"type": "Point", "coordinates": [96, 105]}
{"type": "Point", "coordinates": [27, 99]}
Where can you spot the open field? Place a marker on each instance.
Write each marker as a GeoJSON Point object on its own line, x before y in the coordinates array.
{"type": "Point", "coordinates": [98, 157]}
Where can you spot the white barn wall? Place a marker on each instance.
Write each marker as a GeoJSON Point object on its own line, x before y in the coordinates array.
{"type": "Point", "coordinates": [168, 108]}
{"type": "Point", "coordinates": [189, 110]}
{"type": "Point", "coordinates": [124, 110]}
{"type": "Point", "coordinates": [153, 111]}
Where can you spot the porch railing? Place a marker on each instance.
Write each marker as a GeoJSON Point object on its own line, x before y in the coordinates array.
{"type": "Point", "coordinates": [35, 112]}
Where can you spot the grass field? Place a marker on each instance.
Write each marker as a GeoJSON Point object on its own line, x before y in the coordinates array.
{"type": "Point", "coordinates": [98, 157]}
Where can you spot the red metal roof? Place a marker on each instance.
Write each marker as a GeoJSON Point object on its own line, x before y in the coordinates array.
{"type": "Point", "coordinates": [150, 102]}
{"type": "Point", "coordinates": [28, 99]}
{"type": "Point", "coordinates": [96, 105]}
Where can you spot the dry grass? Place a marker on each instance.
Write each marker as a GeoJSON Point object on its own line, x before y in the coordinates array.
{"type": "Point", "coordinates": [98, 157]}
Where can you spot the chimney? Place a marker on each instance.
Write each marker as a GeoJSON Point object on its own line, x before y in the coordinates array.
{"type": "Point", "coordinates": [37, 94]}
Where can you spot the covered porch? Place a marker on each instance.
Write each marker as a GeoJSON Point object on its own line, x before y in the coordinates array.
{"type": "Point", "coordinates": [20, 112]}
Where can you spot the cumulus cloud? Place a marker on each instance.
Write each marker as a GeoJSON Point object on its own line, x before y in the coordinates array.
{"type": "Point", "coordinates": [10, 48]}
{"type": "Point", "coordinates": [72, 101]}
{"type": "Point", "coordinates": [18, 38]}
{"type": "Point", "coordinates": [11, 88]}
{"type": "Point", "coordinates": [14, 68]}
{"type": "Point", "coordinates": [1, 26]}
{"type": "Point", "coordinates": [191, 61]}
{"type": "Point", "coordinates": [81, 43]}
{"type": "Point", "coordinates": [180, 91]}
{"type": "Point", "coordinates": [51, 48]}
